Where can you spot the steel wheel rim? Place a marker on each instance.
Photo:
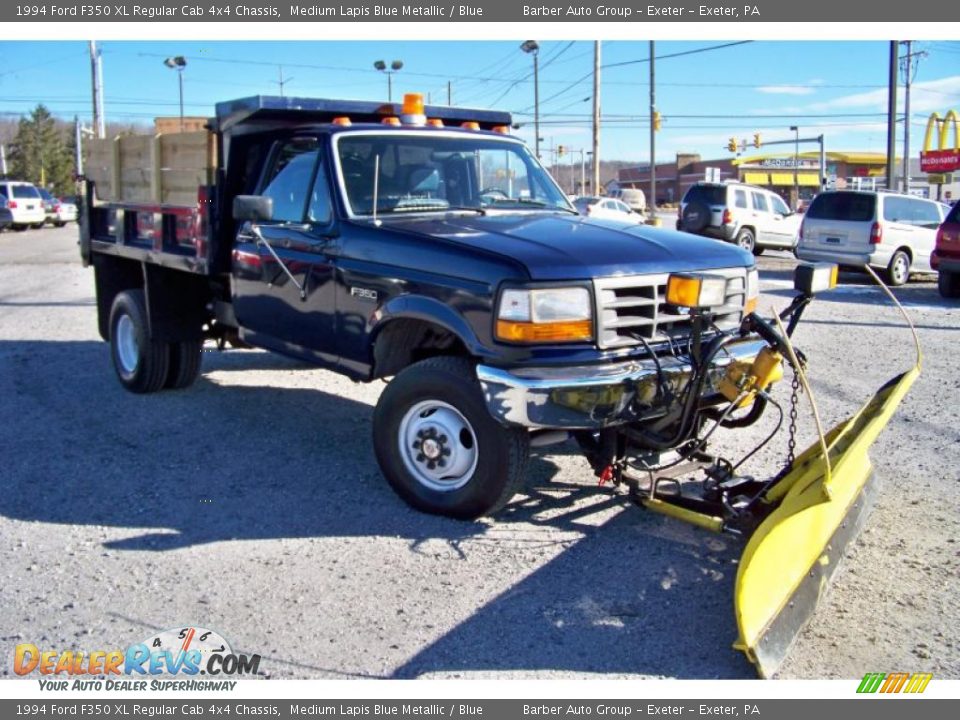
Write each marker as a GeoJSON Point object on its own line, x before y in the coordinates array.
{"type": "Point", "coordinates": [746, 241]}
{"type": "Point", "coordinates": [438, 446]}
{"type": "Point", "coordinates": [900, 270]}
{"type": "Point", "coordinates": [128, 351]}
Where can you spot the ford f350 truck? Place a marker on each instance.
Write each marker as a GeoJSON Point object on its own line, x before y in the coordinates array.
{"type": "Point", "coordinates": [419, 244]}
{"type": "Point", "coordinates": [425, 246]}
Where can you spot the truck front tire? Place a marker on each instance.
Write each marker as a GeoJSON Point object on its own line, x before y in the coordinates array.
{"type": "Point", "coordinates": [439, 447]}
{"type": "Point", "coordinates": [141, 363]}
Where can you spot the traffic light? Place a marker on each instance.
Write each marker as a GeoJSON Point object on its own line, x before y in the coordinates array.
{"type": "Point", "coordinates": [732, 145]}
{"type": "Point", "coordinates": [756, 140]}
{"type": "Point", "coordinates": [657, 121]}
{"type": "Point", "coordinates": [560, 151]}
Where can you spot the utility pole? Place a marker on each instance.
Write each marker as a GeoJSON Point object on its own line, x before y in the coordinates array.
{"type": "Point", "coordinates": [909, 68]}
{"type": "Point", "coordinates": [583, 170]}
{"type": "Point", "coordinates": [652, 202]}
{"type": "Point", "coordinates": [595, 188]}
{"type": "Point", "coordinates": [96, 75]}
{"type": "Point", "coordinates": [3, 161]}
{"type": "Point", "coordinates": [78, 153]}
{"type": "Point", "coordinates": [282, 81]}
{"type": "Point", "coordinates": [892, 118]}
{"type": "Point", "coordinates": [449, 94]}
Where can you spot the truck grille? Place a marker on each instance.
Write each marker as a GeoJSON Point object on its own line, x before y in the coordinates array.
{"type": "Point", "coordinates": [637, 306]}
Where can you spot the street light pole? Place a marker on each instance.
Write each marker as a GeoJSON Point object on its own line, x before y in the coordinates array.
{"type": "Point", "coordinates": [532, 47]}
{"type": "Point", "coordinates": [796, 166]}
{"type": "Point", "coordinates": [395, 66]}
{"type": "Point", "coordinates": [178, 63]}
{"type": "Point", "coordinates": [653, 140]}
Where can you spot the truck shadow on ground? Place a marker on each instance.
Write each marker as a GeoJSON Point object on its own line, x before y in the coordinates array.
{"type": "Point", "coordinates": [630, 593]}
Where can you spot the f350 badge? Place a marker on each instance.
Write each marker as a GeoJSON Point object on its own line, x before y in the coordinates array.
{"type": "Point", "coordinates": [364, 293]}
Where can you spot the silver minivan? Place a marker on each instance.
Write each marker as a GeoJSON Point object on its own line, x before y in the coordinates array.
{"type": "Point", "coordinates": [889, 231]}
{"type": "Point", "coordinates": [25, 204]}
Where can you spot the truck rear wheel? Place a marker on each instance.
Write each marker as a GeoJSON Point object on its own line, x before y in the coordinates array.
{"type": "Point", "coordinates": [185, 360]}
{"type": "Point", "coordinates": [439, 447]}
{"type": "Point", "coordinates": [141, 363]}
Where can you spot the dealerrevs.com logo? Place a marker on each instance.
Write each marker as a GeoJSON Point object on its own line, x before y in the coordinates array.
{"type": "Point", "coordinates": [171, 660]}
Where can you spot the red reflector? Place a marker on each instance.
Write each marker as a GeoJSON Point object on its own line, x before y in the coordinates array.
{"type": "Point", "coordinates": [876, 234]}
{"type": "Point", "coordinates": [727, 217]}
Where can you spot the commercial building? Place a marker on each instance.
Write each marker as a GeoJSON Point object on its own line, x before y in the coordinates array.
{"type": "Point", "coordinates": [784, 173]}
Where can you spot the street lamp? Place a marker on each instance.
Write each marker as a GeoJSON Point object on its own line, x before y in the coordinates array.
{"type": "Point", "coordinates": [395, 66]}
{"type": "Point", "coordinates": [178, 63]}
{"type": "Point", "coordinates": [532, 47]}
{"type": "Point", "coordinates": [796, 166]}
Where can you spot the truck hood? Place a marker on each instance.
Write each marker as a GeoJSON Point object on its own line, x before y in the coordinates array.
{"type": "Point", "coordinates": [570, 247]}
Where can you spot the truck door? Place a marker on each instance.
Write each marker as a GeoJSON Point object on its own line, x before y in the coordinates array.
{"type": "Point", "coordinates": [284, 280]}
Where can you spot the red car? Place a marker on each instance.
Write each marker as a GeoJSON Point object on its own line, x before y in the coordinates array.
{"type": "Point", "coordinates": [946, 257]}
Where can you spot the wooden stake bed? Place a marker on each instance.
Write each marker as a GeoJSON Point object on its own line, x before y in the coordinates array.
{"type": "Point", "coordinates": [151, 197]}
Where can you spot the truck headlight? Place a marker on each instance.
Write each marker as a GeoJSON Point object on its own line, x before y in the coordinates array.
{"type": "Point", "coordinates": [545, 315]}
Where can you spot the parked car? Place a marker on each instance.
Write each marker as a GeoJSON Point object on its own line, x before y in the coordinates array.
{"type": "Point", "coordinates": [633, 197]}
{"type": "Point", "coordinates": [749, 216]}
{"type": "Point", "coordinates": [889, 231]}
{"type": "Point", "coordinates": [607, 209]}
{"type": "Point", "coordinates": [946, 255]}
{"type": "Point", "coordinates": [24, 201]}
{"type": "Point", "coordinates": [66, 211]}
{"type": "Point", "coordinates": [50, 205]}
{"type": "Point", "coordinates": [6, 217]}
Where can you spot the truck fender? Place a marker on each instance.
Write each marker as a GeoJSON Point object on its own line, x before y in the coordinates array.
{"type": "Point", "coordinates": [430, 310]}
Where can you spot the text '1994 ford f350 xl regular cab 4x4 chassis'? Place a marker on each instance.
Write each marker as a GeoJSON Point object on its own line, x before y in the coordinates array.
{"type": "Point", "coordinates": [425, 245]}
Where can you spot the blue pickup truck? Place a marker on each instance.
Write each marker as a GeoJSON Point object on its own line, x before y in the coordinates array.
{"type": "Point", "coordinates": [428, 246]}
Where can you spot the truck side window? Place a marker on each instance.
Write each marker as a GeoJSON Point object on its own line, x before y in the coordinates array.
{"type": "Point", "coordinates": [740, 198]}
{"type": "Point", "coordinates": [759, 202]}
{"type": "Point", "coordinates": [290, 177]}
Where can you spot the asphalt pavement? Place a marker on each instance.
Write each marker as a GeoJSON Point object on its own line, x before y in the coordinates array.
{"type": "Point", "coordinates": [251, 503]}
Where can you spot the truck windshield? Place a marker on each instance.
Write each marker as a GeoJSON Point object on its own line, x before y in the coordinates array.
{"type": "Point", "coordinates": [420, 172]}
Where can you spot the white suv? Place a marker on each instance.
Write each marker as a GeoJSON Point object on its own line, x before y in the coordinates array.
{"type": "Point", "coordinates": [889, 231]}
{"type": "Point", "coordinates": [750, 216]}
{"type": "Point", "coordinates": [25, 204]}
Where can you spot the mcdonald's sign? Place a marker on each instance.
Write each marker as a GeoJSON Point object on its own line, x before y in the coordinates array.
{"type": "Point", "coordinates": [944, 158]}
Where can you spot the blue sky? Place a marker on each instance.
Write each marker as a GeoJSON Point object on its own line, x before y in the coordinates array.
{"type": "Point", "coordinates": [835, 88]}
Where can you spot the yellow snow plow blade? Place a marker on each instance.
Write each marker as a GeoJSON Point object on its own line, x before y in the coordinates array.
{"type": "Point", "coordinates": [792, 555]}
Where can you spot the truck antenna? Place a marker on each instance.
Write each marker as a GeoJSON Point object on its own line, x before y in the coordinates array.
{"type": "Point", "coordinates": [376, 187]}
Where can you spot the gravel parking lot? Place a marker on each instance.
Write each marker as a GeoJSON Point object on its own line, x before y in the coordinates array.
{"type": "Point", "coordinates": [252, 504]}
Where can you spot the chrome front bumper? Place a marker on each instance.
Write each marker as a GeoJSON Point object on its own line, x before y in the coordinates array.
{"type": "Point", "coordinates": [594, 396]}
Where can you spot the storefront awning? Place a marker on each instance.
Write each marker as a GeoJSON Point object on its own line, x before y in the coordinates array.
{"type": "Point", "coordinates": [756, 178]}
{"type": "Point", "coordinates": [785, 179]}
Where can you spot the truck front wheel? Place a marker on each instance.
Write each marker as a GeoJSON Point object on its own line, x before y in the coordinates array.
{"type": "Point", "coordinates": [141, 362]}
{"type": "Point", "coordinates": [439, 447]}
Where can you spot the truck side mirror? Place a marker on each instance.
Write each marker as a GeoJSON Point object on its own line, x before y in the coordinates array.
{"type": "Point", "coordinates": [255, 208]}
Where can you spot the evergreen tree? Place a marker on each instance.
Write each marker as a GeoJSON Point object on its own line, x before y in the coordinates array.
{"type": "Point", "coordinates": [41, 153]}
